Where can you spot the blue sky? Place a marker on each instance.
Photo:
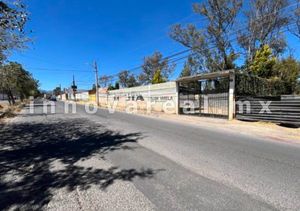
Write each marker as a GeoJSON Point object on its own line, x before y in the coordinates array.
{"type": "Point", "coordinates": [68, 35]}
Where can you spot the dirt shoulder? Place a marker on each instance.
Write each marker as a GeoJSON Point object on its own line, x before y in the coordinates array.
{"type": "Point", "coordinates": [263, 130]}
{"type": "Point", "coordinates": [7, 112]}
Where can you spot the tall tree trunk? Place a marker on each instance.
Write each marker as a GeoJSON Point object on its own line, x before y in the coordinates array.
{"type": "Point", "coordinates": [9, 100]}
{"type": "Point", "coordinates": [11, 96]}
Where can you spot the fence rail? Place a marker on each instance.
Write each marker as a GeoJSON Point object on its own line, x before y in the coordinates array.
{"type": "Point", "coordinates": [286, 111]}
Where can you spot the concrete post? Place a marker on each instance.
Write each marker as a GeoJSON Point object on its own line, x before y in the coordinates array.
{"type": "Point", "coordinates": [231, 100]}
{"type": "Point", "coordinates": [177, 100]}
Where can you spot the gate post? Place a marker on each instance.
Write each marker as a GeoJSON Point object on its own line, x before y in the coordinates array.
{"type": "Point", "coordinates": [231, 101]}
{"type": "Point", "coordinates": [177, 100]}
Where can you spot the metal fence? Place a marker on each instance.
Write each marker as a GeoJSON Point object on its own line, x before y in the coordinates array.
{"type": "Point", "coordinates": [269, 109]}
{"type": "Point", "coordinates": [214, 104]}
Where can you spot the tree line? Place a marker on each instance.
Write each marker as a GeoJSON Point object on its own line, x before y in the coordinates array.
{"type": "Point", "coordinates": [15, 80]}
{"type": "Point", "coordinates": [235, 34]}
{"type": "Point", "coordinates": [233, 31]}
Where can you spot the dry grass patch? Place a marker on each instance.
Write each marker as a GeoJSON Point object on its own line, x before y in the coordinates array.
{"type": "Point", "coordinates": [10, 111]}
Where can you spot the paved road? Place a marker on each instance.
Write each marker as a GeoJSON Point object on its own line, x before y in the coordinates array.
{"type": "Point", "coordinates": [119, 161]}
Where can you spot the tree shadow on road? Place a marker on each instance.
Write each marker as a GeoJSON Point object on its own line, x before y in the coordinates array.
{"type": "Point", "coordinates": [28, 150]}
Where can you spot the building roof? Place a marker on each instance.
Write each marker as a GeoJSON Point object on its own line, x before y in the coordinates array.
{"type": "Point", "coordinates": [204, 76]}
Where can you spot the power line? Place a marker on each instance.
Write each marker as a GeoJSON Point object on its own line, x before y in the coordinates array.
{"type": "Point", "coordinates": [42, 60]}
{"type": "Point", "coordinates": [176, 60]}
{"type": "Point", "coordinates": [139, 67]}
{"type": "Point", "coordinates": [232, 33]}
{"type": "Point", "coordinates": [206, 18]}
{"type": "Point", "coordinates": [57, 70]}
{"type": "Point", "coordinates": [172, 58]}
{"type": "Point", "coordinates": [112, 78]}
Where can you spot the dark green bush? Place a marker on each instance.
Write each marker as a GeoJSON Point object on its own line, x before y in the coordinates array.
{"type": "Point", "coordinates": [251, 85]}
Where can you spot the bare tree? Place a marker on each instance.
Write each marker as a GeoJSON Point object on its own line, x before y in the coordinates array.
{"type": "Point", "coordinates": [212, 43]}
{"type": "Point", "coordinates": [265, 20]}
{"type": "Point", "coordinates": [105, 80]}
{"type": "Point", "coordinates": [296, 19]}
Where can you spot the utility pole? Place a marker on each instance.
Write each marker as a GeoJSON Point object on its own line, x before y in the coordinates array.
{"type": "Point", "coordinates": [96, 83]}
{"type": "Point", "coordinates": [60, 92]}
{"type": "Point", "coordinates": [74, 88]}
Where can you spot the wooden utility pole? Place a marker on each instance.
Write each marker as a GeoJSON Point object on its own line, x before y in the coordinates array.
{"type": "Point", "coordinates": [74, 88]}
{"type": "Point", "coordinates": [60, 92]}
{"type": "Point", "coordinates": [96, 83]}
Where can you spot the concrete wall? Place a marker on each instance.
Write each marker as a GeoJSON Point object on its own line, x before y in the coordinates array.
{"type": "Point", "coordinates": [158, 97]}
{"type": "Point", "coordinates": [70, 96]}
{"type": "Point", "coordinates": [64, 97]}
{"type": "Point", "coordinates": [82, 96]}
{"type": "Point", "coordinates": [162, 97]}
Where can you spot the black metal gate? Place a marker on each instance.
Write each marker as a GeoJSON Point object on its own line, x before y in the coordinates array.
{"type": "Point", "coordinates": [204, 98]}
{"type": "Point", "coordinates": [214, 104]}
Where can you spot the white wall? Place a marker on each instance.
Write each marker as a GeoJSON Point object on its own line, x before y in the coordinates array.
{"type": "Point", "coordinates": [157, 94]}
{"type": "Point", "coordinates": [83, 96]}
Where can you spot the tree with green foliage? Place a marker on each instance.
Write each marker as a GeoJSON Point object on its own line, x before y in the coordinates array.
{"type": "Point", "coordinates": [132, 81]}
{"type": "Point", "coordinates": [186, 71]}
{"type": "Point", "coordinates": [158, 78]}
{"type": "Point", "coordinates": [94, 86]}
{"type": "Point", "coordinates": [110, 87]}
{"type": "Point", "coordinates": [57, 91]}
{"type": "Point", "coordinates": [15, 81]}
{"type": "Point", "coordinates": [190, 67]}
{"type": "Point", "coordinates": [297, 88]}
{"type": "Point", "coordinates": [221, 16]}
{"type": "Point", "coordinates": [115, 87]}
{"type": "Point", "coordinates": [288, 70]}
{"type": "Point", "coordinates": [285, 71]}
{"type": "Point", "coordinates": [155, 65]}
{"type": "Point", "coordinates": [263, 63]}
{"type": "Point", "coordinates": [13, 16]}
{"type": "Point", "coordinates": [127, 79]}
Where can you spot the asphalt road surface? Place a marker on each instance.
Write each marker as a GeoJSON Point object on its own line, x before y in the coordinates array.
{"type": "Point", "coordinates": [120, 161]}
